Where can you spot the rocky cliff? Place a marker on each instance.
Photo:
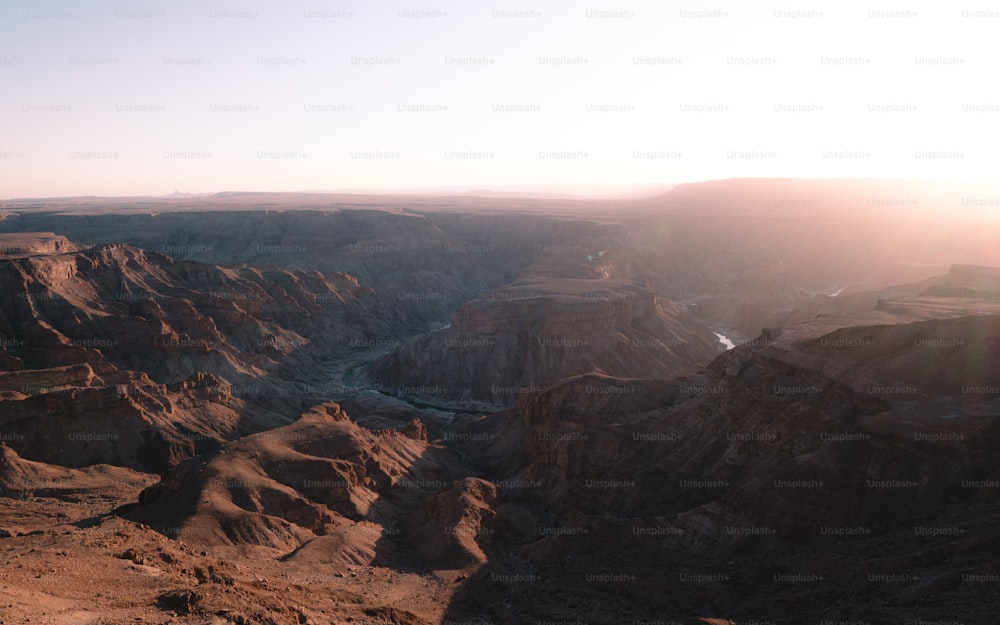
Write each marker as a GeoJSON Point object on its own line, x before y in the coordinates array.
{"type": "Point", "coordinates": [322, 481]}
{"type": "Point", "coordinates": [812, 464]}
{"type": "Point", "coordinates": [539, 330]}
{"type": "Point", "coordinates": [148, 427]}
{"type": "Point", "coordinates": [145, 312]}
{"type": "Point", "coordinates": [111, 354]}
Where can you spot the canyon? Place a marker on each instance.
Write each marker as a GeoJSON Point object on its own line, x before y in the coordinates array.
{"type": "Point", "coordinates": [320, 408]}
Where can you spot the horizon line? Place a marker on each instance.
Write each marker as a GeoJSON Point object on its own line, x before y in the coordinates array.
{"type": "Point", "coordinates": [625, 191]}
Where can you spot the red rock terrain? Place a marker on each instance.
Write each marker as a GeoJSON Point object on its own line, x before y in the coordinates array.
{"type": "Point", "coordinates": [115, 355]}
{"type": "Point", "coordinates": [149, 427]}
{"type": "Point", "coordinates": [768, 474]}
{"type": "Point", "coordinates": [145, 312]}
{"type": "Point", "coordinates": [838, 466]}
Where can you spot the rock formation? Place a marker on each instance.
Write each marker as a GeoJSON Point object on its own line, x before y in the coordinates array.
{"type": "Point", "coordinates": [537, 331]}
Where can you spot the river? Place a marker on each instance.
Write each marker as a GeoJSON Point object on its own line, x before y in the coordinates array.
{"type": "Point", "coordinates": [725, 340]}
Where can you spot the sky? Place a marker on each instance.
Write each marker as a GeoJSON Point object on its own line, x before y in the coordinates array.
{"type": "Point", "coordinates": [152, 97]}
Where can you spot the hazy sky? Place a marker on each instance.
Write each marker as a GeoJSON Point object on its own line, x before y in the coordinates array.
{"type": "Point", "coordinates": [116, 98]}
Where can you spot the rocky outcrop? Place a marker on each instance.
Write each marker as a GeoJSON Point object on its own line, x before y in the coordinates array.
{"type": "Point", "coordinates": [793, 454]}
{"type": "Point", "coordinates": [454, 522]}
{"type": "Point", "coordinates": [27, 382]}
{"type": "Point", "coordinates": [33, 243]}
{"type": "Point", "coordinates": [123, 307]}
{"type": "Point", "coordinates": [538, 331]}
{"type": "Point", "coordinates": [971, 281]}
{"type": "Point", "coordinates": [24, 479]}
{"type": "Point", "coordinates": [955, 358]}
{"type": "Point", "coordinates": [148, 427]}
{"type": "Point", "coordinates": [759, 416]}
{"type": "Point", "coordinates": [321, 476]}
